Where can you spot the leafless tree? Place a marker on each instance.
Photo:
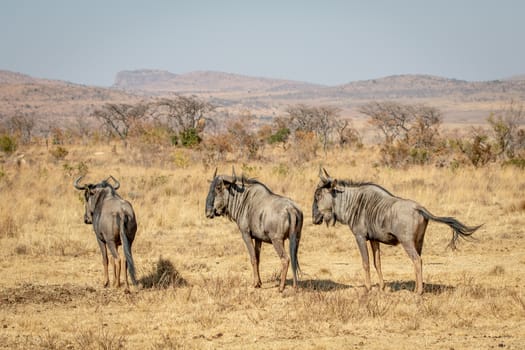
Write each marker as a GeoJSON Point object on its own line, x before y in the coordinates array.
{"type": "Point", "coordinates": [506, 129]}
{"type": "Point", "coordinates": [21, 125]}
{"type": "Point", "coordinates": [347, 135]}
{"type": "Point", "coordinates": [120, 118]}
{"type": "Point", "coordinates": [424, 129]}
{"type": "Point", "coordinates": [322, 120]}
{"type": "Point", "coordinates": [184, 113]}
{"type": "Point", "coordinates": [391, 118]}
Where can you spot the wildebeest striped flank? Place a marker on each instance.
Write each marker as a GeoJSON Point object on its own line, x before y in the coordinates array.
{"type": "Point", "coordinates": [261, 216]}
{"type": "Point", "coordinates": [375, 215]}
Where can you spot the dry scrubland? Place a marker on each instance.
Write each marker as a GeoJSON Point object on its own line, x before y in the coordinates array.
{"type": "Point", "coordinates": [51, 295]}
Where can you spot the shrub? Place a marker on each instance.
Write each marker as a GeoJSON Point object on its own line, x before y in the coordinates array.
{"type": "Point", "coordinates": [280, 136]}
{"type": "Point", "coordinates": [7, 144]}
{"type": "Point", "coordinates": [190, 138]}
{"type": "Point", "coordinates": [59, 153]}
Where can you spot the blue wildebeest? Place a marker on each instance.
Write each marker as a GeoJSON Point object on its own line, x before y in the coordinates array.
{"type": "Point", "coordinates": [375, 215]}
{"type": "Point", "coordinates": [114, 223]}
{"type": "Point", "coordinates": [261, 216]}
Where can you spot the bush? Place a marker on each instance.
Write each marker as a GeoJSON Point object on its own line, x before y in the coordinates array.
{"type": "Point", "coordinates": [280, 136]}
{"type": "Point", "coordinates": [190, 138]}
{"type": "Point", "coordinates": [517, 162]}
{"type": "Point", "coordinates": [59, 153]}
{"type": "Point", "coordinates": [7, 144]}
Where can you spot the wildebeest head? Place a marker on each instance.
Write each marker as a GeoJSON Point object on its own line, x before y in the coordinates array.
{"type": "Point", "coordinates": [217, 199]}
{"type": "Point", "coordinates": [323, 204]}
{"type": "Point", "coordinates": [91, 193]}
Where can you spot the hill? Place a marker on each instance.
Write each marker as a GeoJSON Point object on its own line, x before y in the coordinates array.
{"type": "Point", "coordinates": [156, 81]}
{"type": "Point", "coordinates": [60, 102]}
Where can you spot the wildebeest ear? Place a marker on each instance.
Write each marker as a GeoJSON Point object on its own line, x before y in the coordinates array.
{"type": "Point", "coordinates": [214, 174]}
{"type": "Point", "coordinates": [334, 186]}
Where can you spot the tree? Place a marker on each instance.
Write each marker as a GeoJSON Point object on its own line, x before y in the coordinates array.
{"type": "Point", "coordinates": [183, 114]}
{"type": "Point", "coordinates": [506, 129]}
{"type": "Point", "coordinates": [391, 118]}
{"type": "Point", "coordinates": [241, 133]}
{"type": "Point", "coordinates": [21, 125]}
{"type": "Point", "coordinates": [120, 118]}
{"type": "Point", "coordinates": [410, 132]}
{"type": "Point", "coordinates": [347, 135]}
{"type": "Point", "coordinates": [321, 120]}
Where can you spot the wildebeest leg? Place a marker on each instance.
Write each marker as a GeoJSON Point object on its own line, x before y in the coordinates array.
{"type": "Point", "coordinates": [258, 244]}
{"type": "Point", "coordinates": [377, 262]}
{"type": "Point", "coordinates": [363, 249]}
{"type": "Point", "coordinates": [253, 259]}
{"type": "Point", "coordinates": [278, 244]}
{"type": "Point", "coordinates": [116, 262]}
{"type": "Point", "coordinates": [104, 253]}
{"type": "Point", "coordinates": [418, 265]}
{"type": "Point", "coordinates": [124, 269]}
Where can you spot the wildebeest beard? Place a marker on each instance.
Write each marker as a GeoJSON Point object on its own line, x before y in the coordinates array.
{"type": "Point", "coordinates": [210, 199]}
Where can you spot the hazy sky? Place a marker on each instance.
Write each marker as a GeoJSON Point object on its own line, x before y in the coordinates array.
{"type": "Point", "coordinates": [327, 42]}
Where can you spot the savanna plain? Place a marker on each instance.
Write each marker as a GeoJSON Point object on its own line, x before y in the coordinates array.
{"type": "Point", "coordinates": [195, 276]}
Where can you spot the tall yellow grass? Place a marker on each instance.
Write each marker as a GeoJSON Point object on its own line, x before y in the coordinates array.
{"type": "Point", "coordinates": [51, 294]}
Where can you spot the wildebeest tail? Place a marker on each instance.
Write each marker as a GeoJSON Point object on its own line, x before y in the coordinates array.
{"type": "Point", "coordinates": [296, 226]}
{"type": "Point", "coordinates": [126, 246]}
{"type": "Point", "coordinates": [460, 230]}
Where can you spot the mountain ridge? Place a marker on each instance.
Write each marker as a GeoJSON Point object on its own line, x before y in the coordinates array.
{"type": "Point", "coordinates": [461, 101]}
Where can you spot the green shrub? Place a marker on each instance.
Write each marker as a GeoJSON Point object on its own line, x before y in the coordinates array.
{"type": "Point", "coordinates": [190, 138]}
{"type": "Point", "coordinates": [280, 136]}
{"type": "Point", "coordinates": [7, 144]}
{"type": "Point", "coordinates": [517, 162]}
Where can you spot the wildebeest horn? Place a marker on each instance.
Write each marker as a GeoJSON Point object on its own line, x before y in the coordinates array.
{"type": "Point", "coordinates": [117, 184]}
{"type": "Point", "coordinates": [322, 177]}
{"type": "Point", "coordinates": [215, 173]}
{"type": "Point", "coordinates": [83, 187]}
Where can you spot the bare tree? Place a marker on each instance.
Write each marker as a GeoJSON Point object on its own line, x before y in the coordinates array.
{"type": "Point", "coordinates": [347, 135]}
{"type": "Point", "coordinates": [391, 118]}
{"type": "Point", "coordinates": [21, 125]}
{"type": "Point", "coordinates": [120, 118]}
{"type": "Point", "coordinates": [184, 113]}
{"type": "Point", "coordinates": [424, 129]}
{"type": "Point", "coordinates": [506, 129]}
{"type": "Point", "coordinates": [321, 120]}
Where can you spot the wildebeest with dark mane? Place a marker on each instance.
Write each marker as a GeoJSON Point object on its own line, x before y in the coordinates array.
{"type": "Point", "coordinates": [375, 215]}
{"type": "Point", "coordinates": [261, 216]}
{"type": "Point", "coordinates": [114, 223]}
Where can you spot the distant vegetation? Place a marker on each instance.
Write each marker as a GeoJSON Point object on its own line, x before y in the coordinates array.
{"type": "Point", "coordinates": [219, 114]}
{"type": "Point", "coordinates": [410, 133]}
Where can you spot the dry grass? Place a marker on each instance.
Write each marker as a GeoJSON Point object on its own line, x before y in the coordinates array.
{"type": "Point", "coordinates": [196, 272]}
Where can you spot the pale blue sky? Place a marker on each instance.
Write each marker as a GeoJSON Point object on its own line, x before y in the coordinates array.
{"type": "Point", "coordinates": [328, 42]}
